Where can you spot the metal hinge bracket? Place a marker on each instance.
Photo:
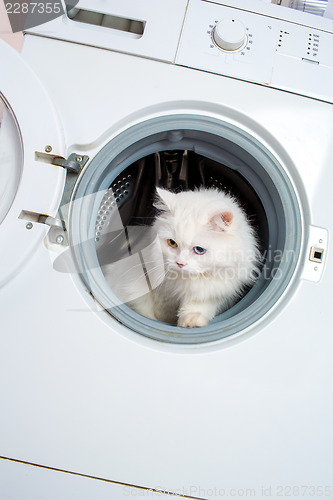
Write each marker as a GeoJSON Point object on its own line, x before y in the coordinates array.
{"type": "Point", "coordinates": [59, 224]}
{"type": "Point", "coordinates": [74, 163]}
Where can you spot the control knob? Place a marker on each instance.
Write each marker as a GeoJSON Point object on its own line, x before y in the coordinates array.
{"type": "Point", "coordinates": [230, 34]}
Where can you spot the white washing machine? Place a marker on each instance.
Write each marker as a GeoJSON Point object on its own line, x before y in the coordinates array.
{"type": "Point", "coordinates": [104, 103]}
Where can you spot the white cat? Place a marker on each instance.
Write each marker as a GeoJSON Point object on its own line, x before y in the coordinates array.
{"type": "Point", "coordinates": [204, 255]}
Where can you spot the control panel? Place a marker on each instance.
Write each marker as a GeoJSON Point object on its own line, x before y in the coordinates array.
{"type": "Point", "coordinates": [257, 48]}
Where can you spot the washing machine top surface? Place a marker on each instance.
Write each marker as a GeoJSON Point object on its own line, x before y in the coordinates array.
{"type": "Point", "coordinates": [30, 187]}
{"type": "Point", "coordinates": [251, 41]}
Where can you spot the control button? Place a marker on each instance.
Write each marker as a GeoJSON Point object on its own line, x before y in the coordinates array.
{"type": "Point", "coordinates": [230, 34]}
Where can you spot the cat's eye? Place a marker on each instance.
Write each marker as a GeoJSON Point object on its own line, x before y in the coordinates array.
{"type": "Point", "coordinates": [172, 243]}
{"type": "Point", "coordinates": [199, 250]}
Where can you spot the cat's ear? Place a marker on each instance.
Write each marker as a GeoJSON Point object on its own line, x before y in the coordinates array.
{"type": "Point", "coordinates": [221, 221]}
{"type": "Point", "coordinates": [164, 199]}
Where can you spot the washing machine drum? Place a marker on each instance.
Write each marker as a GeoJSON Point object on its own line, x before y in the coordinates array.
{"type": "Point", "coordinates": [133, 191]}
{"type": "Point", "coordinates": [112, 210]}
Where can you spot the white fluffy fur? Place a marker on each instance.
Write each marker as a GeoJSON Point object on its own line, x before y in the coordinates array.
{"type": "Point", "coordinates": [206, 285]}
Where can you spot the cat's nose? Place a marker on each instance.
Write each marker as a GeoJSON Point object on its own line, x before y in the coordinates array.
{"type": "Point", "coordinates": [179, 264]}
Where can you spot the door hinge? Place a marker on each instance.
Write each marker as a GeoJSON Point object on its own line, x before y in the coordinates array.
{"type": "Point", "coordinates": [58, 232]}
{"type": "Point", "coordinates": [74, 163]}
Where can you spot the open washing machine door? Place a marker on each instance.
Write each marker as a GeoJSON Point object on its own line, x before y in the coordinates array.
{"type": "Point", "coordinates": [30, 185]}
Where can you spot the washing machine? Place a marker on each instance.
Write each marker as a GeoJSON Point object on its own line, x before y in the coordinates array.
{"type": "Point", "coordinates": [105, 103]}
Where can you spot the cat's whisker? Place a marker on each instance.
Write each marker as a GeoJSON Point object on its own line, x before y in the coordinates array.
{"type": "Point", "coordinates": [120, 266]}
{"type": "Point", "coordinates": [147, 275]}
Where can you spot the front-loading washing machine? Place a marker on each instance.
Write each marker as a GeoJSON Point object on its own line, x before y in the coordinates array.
{"type": "Point", "coordinates": [105, 103]}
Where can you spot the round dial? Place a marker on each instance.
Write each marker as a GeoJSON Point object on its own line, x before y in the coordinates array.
{"type": "Point", "coordinates": [230, 34]}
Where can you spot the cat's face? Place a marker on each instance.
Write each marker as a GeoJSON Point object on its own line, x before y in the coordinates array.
{"type": "Point", "coordinates": [195, 254]}
{"type": "Point", "coordinates": [199, 231]}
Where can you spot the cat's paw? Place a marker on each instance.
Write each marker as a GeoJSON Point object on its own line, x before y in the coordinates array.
{"type": "Point", "coordinates": [192, 320]}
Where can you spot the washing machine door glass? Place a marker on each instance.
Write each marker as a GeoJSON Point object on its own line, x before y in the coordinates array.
{"type": "Point", "coordinates": [30, 185]}
{"type": "Point", "coordinates": [11, 159]}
